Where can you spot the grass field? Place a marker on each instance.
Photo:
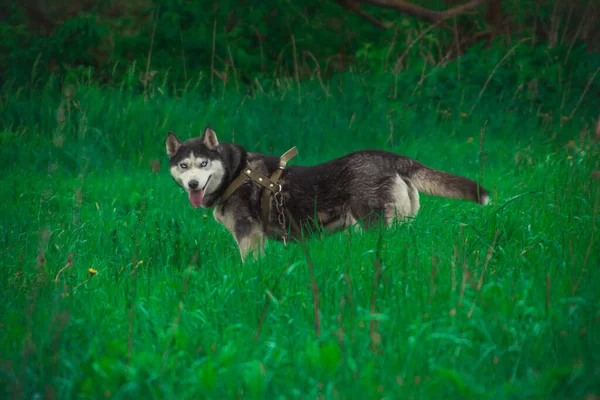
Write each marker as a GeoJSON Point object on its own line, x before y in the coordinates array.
{"type": "Point", "coordinates": [114, 287]}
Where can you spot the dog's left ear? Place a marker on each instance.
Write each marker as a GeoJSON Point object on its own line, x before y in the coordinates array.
{"type": "Point", "coordinates": [210, 138]}
{"type": "Point", "coordinates": [173, 144]}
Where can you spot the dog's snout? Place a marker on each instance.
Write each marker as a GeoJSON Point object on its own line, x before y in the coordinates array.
{"type": "Point", "coordinates": [193, 184]}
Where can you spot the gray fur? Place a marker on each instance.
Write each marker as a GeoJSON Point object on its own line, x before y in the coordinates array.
{"type": "Point", "coordinates": [335, 195]}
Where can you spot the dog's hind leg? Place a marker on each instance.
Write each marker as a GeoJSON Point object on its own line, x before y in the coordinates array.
{"type": "Point", "coordinates": [364, 216]}
{"type": "Point", "coordinates": [405, 201]}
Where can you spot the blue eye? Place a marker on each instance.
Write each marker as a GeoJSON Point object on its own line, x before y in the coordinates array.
{"type": "Point", "coordinates": [183, 165]}
{"type": "Point", "coordinates": [204, 163]}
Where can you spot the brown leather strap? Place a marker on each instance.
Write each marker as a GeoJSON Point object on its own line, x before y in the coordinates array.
{"type": "Point", "coordinates": [266, 196]}
{"type": "Point", "coordinates": [270, 184]}
{"type": "Point", "coordinates": [237, 182]}
{"type": "Point", "coordinates": [249, 172]}
{"type": "Point", "coordinates": [287, 156]}
{"type": "Point", "coordinates": [283, 160]}
{"type": "Point", "coordinates": [261, 179]}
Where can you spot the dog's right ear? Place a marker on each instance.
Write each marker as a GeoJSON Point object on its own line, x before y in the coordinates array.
{"type": "Point", "coordinates": [173, 144]}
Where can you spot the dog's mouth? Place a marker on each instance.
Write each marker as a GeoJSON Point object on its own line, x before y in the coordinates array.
{"type": "Point", "coordinates": [196, 196]}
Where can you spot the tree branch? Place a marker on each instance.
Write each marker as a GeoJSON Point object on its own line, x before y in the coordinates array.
{"type": "Point", "coordinates": [353, 6]}
{"type": "Point", "coordinates": [424, 13]}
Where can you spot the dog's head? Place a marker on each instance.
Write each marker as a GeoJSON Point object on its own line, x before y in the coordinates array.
{"type": "Point", "coordinates": [196, 164]}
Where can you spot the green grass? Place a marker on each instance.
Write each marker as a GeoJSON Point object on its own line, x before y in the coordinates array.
{"type": "Point", "coordinates": [463, 302]}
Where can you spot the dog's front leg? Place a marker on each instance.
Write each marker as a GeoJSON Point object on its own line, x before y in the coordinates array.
{"type": "Point", "coordinates": [254, 244]}
{"type": "Point", "coordinates": [249, 237]}
{"type": "Point", "coordinates": [246, 231]}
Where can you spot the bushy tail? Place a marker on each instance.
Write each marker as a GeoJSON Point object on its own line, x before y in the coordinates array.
{"type": "Point", "coordinates": [438, 183]}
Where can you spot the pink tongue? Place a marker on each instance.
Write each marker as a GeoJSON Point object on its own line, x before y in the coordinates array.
{"type": "Point", "coordinates": [196, 197]}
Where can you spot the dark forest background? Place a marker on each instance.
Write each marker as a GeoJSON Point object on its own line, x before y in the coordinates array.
{"type": "Point", "coordinates": [255, 43]}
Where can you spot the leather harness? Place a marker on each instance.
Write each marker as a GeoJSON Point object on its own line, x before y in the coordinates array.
{"type": "Point", "coordinates": [270, 185]}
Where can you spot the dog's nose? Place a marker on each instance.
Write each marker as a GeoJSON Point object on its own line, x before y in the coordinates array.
{"type": "Point", "coordinates": [193, 184]}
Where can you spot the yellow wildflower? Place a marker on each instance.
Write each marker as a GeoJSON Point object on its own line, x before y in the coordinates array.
{"type": "Point", "coordinates": [92, 271]}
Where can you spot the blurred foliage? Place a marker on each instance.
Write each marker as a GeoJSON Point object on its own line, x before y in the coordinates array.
{"type": "Point", "coordinates": [240, 42]}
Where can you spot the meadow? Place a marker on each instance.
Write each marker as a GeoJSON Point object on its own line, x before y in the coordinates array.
{"type": "Point", "coordinates": [112, 286]}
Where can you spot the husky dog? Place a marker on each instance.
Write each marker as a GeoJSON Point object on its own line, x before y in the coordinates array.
{"type": "Point", "coordinates": [359, 187]}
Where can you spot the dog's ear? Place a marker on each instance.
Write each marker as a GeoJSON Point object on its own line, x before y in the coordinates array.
{"type": "Point", "coordinates": [210, 138]}
{"type": "Point", "coordinates": [173, 144]}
